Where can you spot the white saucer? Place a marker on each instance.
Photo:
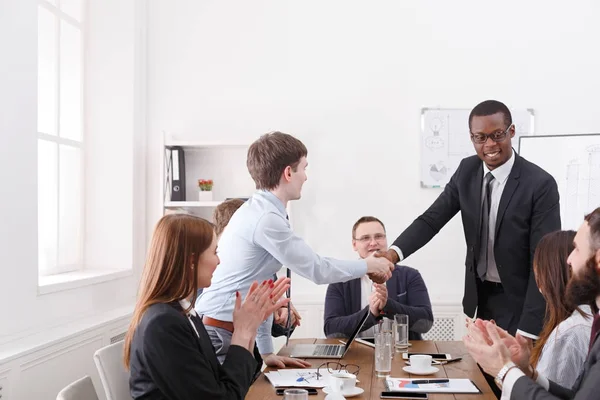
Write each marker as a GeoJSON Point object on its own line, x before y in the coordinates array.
{"type": "Point", "coordinates": [411, 370]}
{"type": "Point", "coordinates": [354, 392]}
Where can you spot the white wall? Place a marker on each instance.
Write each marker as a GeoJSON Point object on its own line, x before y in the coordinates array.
{"type": "Point", "coordinates": [349, 78]}
{"type": "Point", "coordinates": [29, 321]}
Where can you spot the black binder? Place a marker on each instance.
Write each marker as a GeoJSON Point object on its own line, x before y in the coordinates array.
{"type": "Point", "coordinates": [177, 168]}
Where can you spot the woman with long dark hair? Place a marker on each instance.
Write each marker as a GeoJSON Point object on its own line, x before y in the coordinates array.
{"type": "Point", "coordinates": [167, 348]}
{"type": "Point", "coordinates": [562, 348]}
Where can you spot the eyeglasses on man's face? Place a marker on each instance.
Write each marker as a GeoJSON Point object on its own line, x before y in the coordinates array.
{"type": "Point", "coordinates": [498, 136]}
{"type": "Point", "coordinates": [379, 237]}
{"type": "Point", "coordinates": [333, 366]}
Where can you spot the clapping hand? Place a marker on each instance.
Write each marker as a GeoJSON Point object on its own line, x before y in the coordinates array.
{"type": "Point", "coordinates": [378, 299]}
{"type": "Point", "coordinates": [260, 302]}
{"type": "Point", "coordinates": [280, 317]}
{"type": "Point", "coordinates": [492, 347]}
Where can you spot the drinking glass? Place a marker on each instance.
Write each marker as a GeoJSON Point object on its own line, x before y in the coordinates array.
{"type": "Point", "coordinates": [383, 353]}
{"type": "Point", "coordinates": [401, 332]}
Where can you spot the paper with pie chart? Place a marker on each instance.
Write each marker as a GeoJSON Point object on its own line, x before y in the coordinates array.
{"type": "Point", "coordinates": [452, 386]}
{"type": "Point", "coordinates": [445, 141]}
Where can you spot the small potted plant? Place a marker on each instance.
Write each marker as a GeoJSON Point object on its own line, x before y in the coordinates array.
{"type": "Point", "coordinates": [205, 189]}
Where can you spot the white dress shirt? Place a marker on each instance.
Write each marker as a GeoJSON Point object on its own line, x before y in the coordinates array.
{"type": "Point", "coordinates": [255, 244]}
{"type": "Point", "coordinates": [185, 304]}
{"type": "Point", "coordinates": [497, 186]}
{"type": "Point", "coordinates": [366, 288]}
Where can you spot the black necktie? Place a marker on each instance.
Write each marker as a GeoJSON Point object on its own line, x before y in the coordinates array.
{"type": "Point", "coordinates": [482, 264]}
{"type": "Point", "coordinates": [289, 294]}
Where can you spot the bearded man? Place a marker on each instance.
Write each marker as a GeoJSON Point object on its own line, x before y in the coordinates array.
{"type": "Point", "coordinates": [507, 357]}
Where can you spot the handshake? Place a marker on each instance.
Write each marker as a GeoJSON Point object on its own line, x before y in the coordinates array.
{"type": "Point", "coordinates": [380, 265]}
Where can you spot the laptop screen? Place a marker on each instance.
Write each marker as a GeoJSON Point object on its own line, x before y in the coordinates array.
{"type": "Point", "coordinates": [357, 329]}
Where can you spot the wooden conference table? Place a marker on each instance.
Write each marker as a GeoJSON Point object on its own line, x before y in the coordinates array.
{"type": "Point", "coordinates": [363, 355]}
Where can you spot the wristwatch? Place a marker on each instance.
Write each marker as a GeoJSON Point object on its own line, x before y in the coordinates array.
{"type": "Point", "coordinates": [503, 371]}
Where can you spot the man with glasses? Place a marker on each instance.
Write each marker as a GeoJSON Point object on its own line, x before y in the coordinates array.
{"type": "Point", "coordinates": [404, 293]}
{"type": "Point", "coordinates": [507, 204]}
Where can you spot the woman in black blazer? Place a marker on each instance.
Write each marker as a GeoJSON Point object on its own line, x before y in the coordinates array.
{"type": "Point", "coordinates": [167, 349]}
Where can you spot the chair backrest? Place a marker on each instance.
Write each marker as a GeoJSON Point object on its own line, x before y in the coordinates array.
{"type": "Point", "coordinates": [81, 389]}
{"type": "Point", "coordinates": [114, 376]}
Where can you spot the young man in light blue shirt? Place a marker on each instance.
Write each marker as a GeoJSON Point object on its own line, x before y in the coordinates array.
{"type": "Point", "coordinates": [258, 240]}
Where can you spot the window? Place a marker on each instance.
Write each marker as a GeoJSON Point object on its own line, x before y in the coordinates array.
{"type": "Point", "coordinates": [60, 136]}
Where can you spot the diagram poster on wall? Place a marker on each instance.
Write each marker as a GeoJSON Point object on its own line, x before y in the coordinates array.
{"type": "Point", "coordinates": [574, 162]}
{"type": "Point", "coordinates": [445, 141]}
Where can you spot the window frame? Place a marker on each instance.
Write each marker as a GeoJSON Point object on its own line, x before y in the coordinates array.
{"type": "Point", "coordinates": [58, 141]}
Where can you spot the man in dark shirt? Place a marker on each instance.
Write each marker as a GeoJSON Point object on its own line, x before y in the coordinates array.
{"type": "Point", "coordinates": [404, 293]}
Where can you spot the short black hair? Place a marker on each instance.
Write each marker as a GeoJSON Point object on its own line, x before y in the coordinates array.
{"type": "Point", "coordinates": [491, 107]}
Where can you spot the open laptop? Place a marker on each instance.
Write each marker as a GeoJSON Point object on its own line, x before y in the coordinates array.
{"type": "Point", "coordinates": [327, 350]}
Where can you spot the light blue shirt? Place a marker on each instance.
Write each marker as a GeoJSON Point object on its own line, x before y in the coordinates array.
{"type": "Point", "coordinates": [254, 245]}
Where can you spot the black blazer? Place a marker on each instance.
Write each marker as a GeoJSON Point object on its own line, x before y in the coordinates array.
{"type": "Point", "coordinates": [587, 386]}
{"type": "Point", "coordinates": [529, 209]}
{"type": "Point", "coordinates": [407, 294]}
{"type": "Point", "coordinates": [169, 361]}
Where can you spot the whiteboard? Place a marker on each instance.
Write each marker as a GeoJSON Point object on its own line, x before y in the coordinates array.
{"type": "Point", "coordinates": [574, 162]}
{"type": "Point", "coordinates": [446, 140]}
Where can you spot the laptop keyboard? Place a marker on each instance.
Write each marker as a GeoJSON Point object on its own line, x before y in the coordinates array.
{"type": "Point", "coordinates": [327, 350]}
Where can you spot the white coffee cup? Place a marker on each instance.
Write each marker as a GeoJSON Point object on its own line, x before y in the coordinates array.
{"type": "Point", "coordinates": [420, 362]}
{"type": "Point", "coordinates": [342, 382]}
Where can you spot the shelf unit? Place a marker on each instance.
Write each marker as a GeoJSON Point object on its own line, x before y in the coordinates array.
{"type": "Point", "coordinates": [191, 204]}
{"type": "Point", "coordinates": [223, 162]}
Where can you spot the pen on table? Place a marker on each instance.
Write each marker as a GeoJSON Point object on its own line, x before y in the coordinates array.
{"type": "Point", "coordinates": [430, 381]}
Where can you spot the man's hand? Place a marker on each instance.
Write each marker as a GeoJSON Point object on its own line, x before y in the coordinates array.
{"type": "Point", "coordinates": [390, 254]}
{"type": "Point", "coordinates": [374, 304]}
{"type": "Point", "coordinates": [490, 357]}
{"type": "Point", "coordinates": [519, 346]}
{"type": "Point", "coordinates": [273, 360]}
{"type": "Point", "coordinates": [379, 269]}
{"type": "Point", "coordinates": [295, 315]}
{"type": "Point", "coordinates": [280, 316]}
{"type": "Point", "coordinates": [382, 293]}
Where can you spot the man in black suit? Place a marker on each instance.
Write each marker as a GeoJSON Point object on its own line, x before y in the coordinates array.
{"type": "Point", "coordinates": [507, 204]}
{"type": "Point", "coordinates": [507, 358]}
{"type": "Point", "coordinates": [523, 206]}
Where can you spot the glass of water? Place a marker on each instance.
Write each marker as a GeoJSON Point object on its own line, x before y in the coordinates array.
{"type": "Point", "coordinates": [401, 332]}
{"type": "Point", "coordinates": [295, 394]}
{"type": "Point", "coordinates": [386, 325]}
{"type": "Point", "coordinates": [383, 353]}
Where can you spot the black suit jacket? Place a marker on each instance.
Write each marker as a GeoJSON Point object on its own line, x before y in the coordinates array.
{"type": "Point", "coordinates": [407, 294]}
{"type": "Point", "coordinates": [169, 361]}
{"type": "Point", "coordinates": [587, 386]}
{"type": "Point", "coordinates": [529, 209]}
